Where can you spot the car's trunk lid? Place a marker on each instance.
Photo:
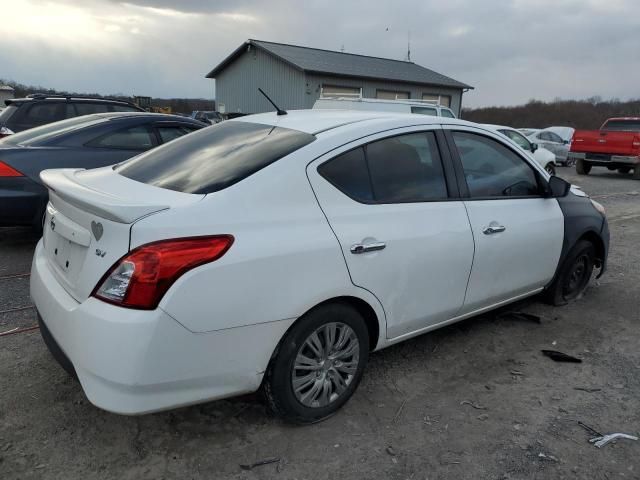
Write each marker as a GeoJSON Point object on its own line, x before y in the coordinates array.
{"type": "Point", "coordinates": [88, 220]}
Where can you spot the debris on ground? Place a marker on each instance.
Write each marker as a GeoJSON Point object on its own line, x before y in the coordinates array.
{"type": "Point", "coordinates": [474, 405]}
{"type": "Point", "coordinates": [587, 389]}
{"type": "Point", "coordinates": [266, 461]}
{"type": "Point", "coordinates": [391, 451]}
{"type": "Point", "coordinates": [397, 415]}
{"type": "Point", "coordinates": [605, 439]}
{"type": "Point", "coordinates": [13, 331]}
{"type": "Point", "coordinates": [482, 416]}
{"type": "Point", "coordinates": [560, 356]}
{"type": "Point", "coordinates": [516, 372]}
{"type": "Point", "coordinates": [545, 456]}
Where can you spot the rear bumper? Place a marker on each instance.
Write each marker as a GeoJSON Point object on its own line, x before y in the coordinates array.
{"type": "Point", "coordinates": [606, 160]}
{"type": "Point", "coordinates": [134, 362]}
{"type": "Point", "coordinates": [22, 201]}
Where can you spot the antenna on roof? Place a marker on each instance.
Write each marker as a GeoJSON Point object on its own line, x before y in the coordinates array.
{"type": "Point", "coordinates": [408, 45]}
{"type": "Point", "coordinates": [278, 109]}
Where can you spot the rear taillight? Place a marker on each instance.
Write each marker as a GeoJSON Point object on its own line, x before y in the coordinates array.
{"type": "Point", "coordinates": [142, 277]}
{"type": "Point", "coordinates": [8, 171]}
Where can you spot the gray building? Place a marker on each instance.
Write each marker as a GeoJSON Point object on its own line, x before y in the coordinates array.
{"type": "Point", "coordinates": [295, 77]}
{"type": "Point", "coordinates": [6, 92]}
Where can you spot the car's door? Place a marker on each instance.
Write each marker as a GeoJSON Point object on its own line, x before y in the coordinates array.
{"type": "Point", "coordinates": [404, 235]}
{"type": "Point", "coordinates": [518, 229]}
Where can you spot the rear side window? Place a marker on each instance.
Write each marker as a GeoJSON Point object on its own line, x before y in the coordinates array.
{"type": "Point", "coordinates": [447, 113]}
{"type": "Point", "coordinates": [133, 138]}
{"type": "Point", "coordinates": [86, 108]}
{"type": "Point", "coordinates": [171, 133]}
{"type": "Point", "coordinates": [122, 108]}
{"type": "Point", "coordinates": [45, 112]}
{"type": "Point", "coordinates": [406, 168]}
{"type": "Point", "coordinates": [214, 158]}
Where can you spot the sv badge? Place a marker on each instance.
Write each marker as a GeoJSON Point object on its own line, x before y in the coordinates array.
{"type": "Point", "coordinates": [100, 253]}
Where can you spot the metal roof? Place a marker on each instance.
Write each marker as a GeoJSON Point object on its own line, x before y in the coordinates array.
{"type": "Point", "coordinates": [329, 62]}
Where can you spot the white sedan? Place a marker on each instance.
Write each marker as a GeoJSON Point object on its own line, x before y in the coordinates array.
{"type": "Point", "coordinates": [278, 251]}
{"type": "Point", "coordinates": [544, 157]}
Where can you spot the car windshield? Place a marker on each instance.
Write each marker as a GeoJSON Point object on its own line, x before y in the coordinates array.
{"type": "Point", "coordinates": [214, 158]}
{"type": "Point", "coordinates": [622, 125]}
{"type": "Point", "coordinates": [38, 135]}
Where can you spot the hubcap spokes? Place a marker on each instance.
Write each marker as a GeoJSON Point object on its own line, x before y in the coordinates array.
{"type": "Point", "coordinates": [325, 365]}
{"type": "Point", "coordinates": [576, 278]}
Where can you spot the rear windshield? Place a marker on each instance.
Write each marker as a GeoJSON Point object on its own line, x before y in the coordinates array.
{"type": "Point", "coordinates": [622, 125]}
{"type": "Point", "coordinates": [38, 135]}
{"type": "Point", "coordinates": [215, 157]}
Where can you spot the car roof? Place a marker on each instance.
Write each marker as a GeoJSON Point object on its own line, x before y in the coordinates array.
{"type": "Point", "coordinates": [317, 121]}
{"type": "Point", "coordinates": [159, 116]}
{"type": "Point", "coordinates": [500, 127]}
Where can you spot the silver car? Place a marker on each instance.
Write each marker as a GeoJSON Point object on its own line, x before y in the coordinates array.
{"type": "Point", "coordinates": [553, 142]}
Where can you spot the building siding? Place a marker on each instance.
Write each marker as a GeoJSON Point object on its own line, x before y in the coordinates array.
{"type": "Point", "coordinates": [370, 87]}
{"type": "Point", "coordinates": [237, 85]}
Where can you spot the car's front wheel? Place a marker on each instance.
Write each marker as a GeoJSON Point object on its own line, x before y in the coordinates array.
{"type": "Point", "coordinates": [551, 170]}
{"type": "Point", "coordinates": [574, 274]}
{"type": "Point", "coordinates": [318, 364]}
{"type": "Point", "coordinates": [624, 169]}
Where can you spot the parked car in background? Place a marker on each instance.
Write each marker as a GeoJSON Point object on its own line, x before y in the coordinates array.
{"type": "Point", "coordinates": [35, 110]}
{"type": "Point", "coordinates": [544, 157]}
{"type": "Point", "coordinates": [615, 146]}
{"type": "Point", "coordinates": [565, 133]}
{"type": "Point", "coordinates": [208, 117]}
{"type": "Point", "coordinates": [159, 287]}
{"type": "Point", "coordinates": [89, 141]}
{"type": "Point", "coordinates": [421, 107]}
{"type": "Point", "coordinates": [553, 142]}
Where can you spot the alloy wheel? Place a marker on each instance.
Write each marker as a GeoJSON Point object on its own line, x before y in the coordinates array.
{"type": "Point", "coordinates": [325, 365]}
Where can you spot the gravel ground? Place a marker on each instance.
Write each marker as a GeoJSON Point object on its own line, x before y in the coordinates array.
{"type": "Point", "coordinates": [474, 400]}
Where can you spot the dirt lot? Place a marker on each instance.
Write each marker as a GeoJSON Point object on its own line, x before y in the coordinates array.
{"type": "Point", "coordinates": [408, 420]}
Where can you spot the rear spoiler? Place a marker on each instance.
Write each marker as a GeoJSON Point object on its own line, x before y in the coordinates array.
{"type": "Point", "coordinates": [64, 184]}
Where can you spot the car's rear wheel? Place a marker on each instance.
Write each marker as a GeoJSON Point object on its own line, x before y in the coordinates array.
{"type": "Point", "coordinates": [582, 168]}
{"type": "Point", "coordinates": [624, 170]}
{"type": "Point", "coordinates": [318, 364]}
{"type": "Point", "coordinates": [636, 172]}
{"type": "Point", "coordinates": [574, 274]}
{"type": "Point", "coordinates": [549, 167]}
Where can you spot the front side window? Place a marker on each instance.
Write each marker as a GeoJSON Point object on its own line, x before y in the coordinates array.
{"type": "Point", "coordinates": [133, 138]}
{"type": "Point", "coordinates": [406, 168]}
{"type": "Point", "coordinates": [492, 170]}
{"type": "Point", "coordinates": [214, 158]}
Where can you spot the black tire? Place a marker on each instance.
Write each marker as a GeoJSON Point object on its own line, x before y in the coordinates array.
{"type": "Point", "coordinates": [277, 385]}
{"type": "Point", "coordinates": [582, 168]}
{"type": "Point", "coordinates": [574, 274]}
{"type": "Point", "coordinates": [636, 172]}
{"type": "Point", "coordinates": [550, 168]}
{"type": "Point", "coordinates": [55, 349]}
{"type": "Point", "coordinates": [624, 169]}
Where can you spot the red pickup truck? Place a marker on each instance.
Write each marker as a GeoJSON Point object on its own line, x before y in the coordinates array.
{"type": "Point", "coordinates": [615, 146]}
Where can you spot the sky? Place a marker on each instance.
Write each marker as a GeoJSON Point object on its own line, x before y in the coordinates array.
{"type": "Point", "coordinates": [511, 51]}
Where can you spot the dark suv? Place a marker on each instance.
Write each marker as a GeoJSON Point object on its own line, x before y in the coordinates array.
{"type": "Point", "coordinates": [35, 110]}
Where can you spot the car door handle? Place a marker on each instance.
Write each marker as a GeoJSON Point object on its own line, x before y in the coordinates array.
{"type": "Point", "coordinates": [358, 248]}
{"type": "Point", "coordinates": [491, 229]}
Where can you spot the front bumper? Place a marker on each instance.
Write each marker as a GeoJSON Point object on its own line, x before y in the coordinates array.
{"type": "Point", "coordinates": [133, 361]}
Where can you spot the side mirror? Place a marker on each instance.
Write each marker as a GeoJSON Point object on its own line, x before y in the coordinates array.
{"type": "Point", "coordinates": [534, 147]}
{"type": "Point", "coordinates": [565, 142]}
{"type": "Point", "coordinates": [558, 187]}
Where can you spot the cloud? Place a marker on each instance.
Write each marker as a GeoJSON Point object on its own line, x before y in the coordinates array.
{"type": "Point", "coordinates": [510, 50]}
